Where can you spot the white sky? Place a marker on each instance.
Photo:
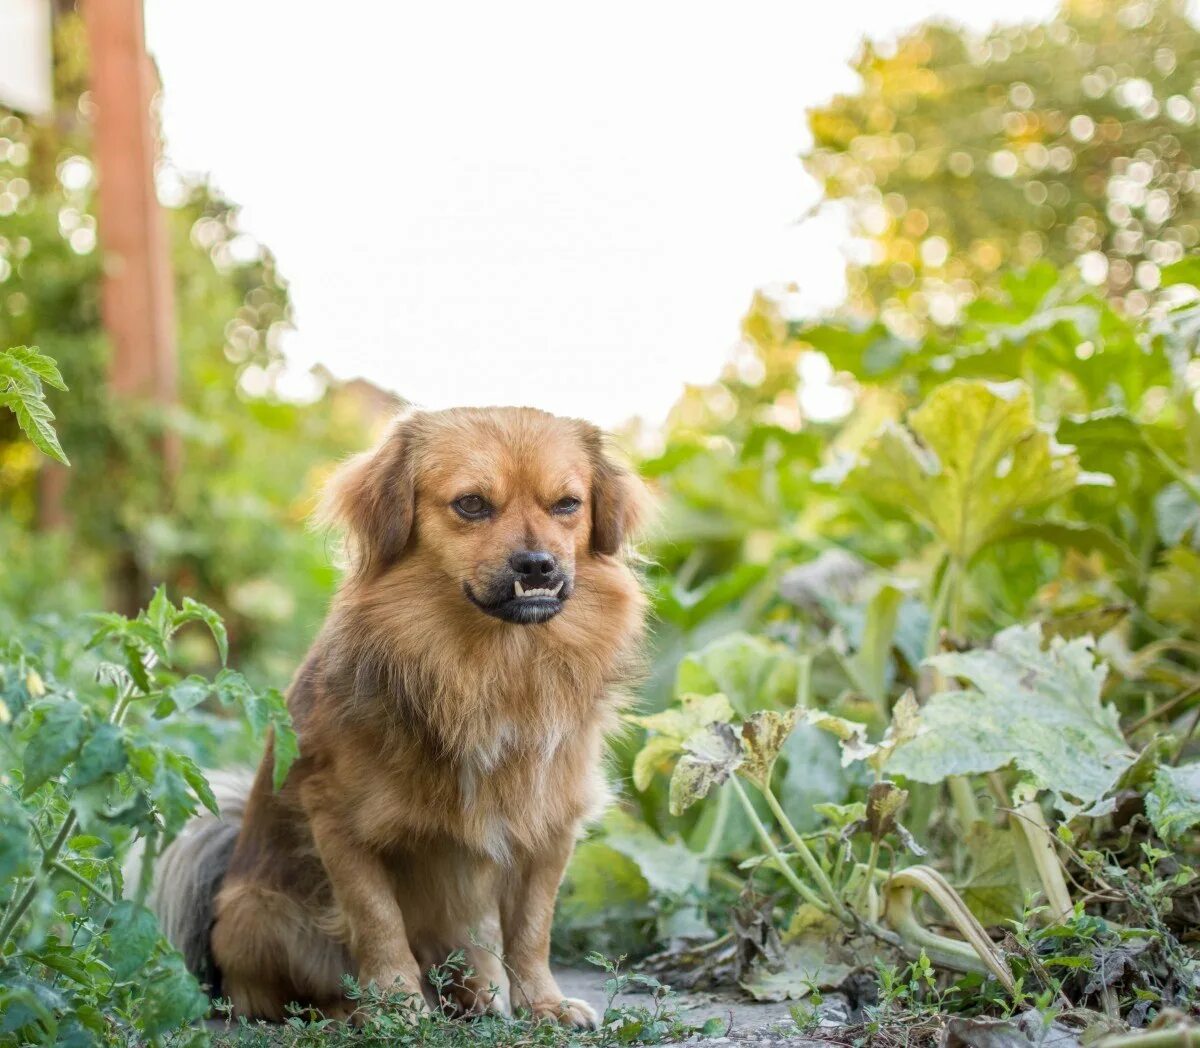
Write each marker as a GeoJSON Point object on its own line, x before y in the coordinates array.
{"type": "Point", "coordinates": [544, 203]}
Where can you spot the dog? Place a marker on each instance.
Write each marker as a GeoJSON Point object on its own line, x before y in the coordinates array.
{"type": "Point", "coordinates": [451, 717]}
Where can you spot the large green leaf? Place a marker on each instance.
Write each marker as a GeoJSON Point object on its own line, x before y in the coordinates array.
{"type": "Point", "coordinates": [1174, 802]}
{"type": "Point", "coordinates": [971, 458]}
{"type": "Point", "coordinates": [752, 672]}
{"type": "Point", "coordinates": [1037, 708]}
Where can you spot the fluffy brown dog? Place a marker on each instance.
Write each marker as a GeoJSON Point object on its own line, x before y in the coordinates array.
{"type": "Point", "coordinates": [451, 716]}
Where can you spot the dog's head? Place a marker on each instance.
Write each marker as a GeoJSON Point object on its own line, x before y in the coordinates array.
{"type": "Point", "coordinates": [500, 503]}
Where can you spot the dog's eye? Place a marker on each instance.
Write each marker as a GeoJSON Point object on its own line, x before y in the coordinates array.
{"type": "Point", "coordinates": [567, 506]}
{"type": "Point", "coordinates": [471, 506]}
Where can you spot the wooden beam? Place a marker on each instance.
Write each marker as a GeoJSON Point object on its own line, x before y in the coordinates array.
{"type": "Point", "coordinates": [138, 299]}
{"type": "Point", "coordinates": [137, 296]}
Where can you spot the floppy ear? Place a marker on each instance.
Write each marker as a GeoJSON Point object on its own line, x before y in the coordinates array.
{"type": "Point", "coordinates": [372, 496]}
{"type": "Point", "coordinates": [620, 499]}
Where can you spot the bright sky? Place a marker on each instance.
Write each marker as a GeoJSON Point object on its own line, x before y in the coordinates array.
{"type": "Point", "coordinates": [545, 203]}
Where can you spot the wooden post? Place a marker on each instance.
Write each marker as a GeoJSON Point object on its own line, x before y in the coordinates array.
{"type": "Point", "coordinates": [137, 297]}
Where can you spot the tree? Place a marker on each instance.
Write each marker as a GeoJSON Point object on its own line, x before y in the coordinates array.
{"type": "Point", "coordinates": [964, 155]}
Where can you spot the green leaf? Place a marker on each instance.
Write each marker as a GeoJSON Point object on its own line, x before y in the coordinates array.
{"type": "Point", "coordinates": [1037, 708]}
{"type": "Point", "coordinates": [194, 611]}
{"type": "Point", "coordinates": [188, 693]}
{"type": "Point", "coordinates": [813, 776]}
{"type": "Point", "coordinates": [102, 755]}
{"type": "Point", "coordinates": [1173, 804]}
{"type": "Point", "coordinates": [971, 458]}
{"type": "Point", "coordinates": [132, 937]}
{"type": "Point", "coordinates": [33, 362]}
{"type": "Point", "coordinates": [1000, 875]}
{"type": "Point", "coordinates": [35, 417]}
{"type": "Point", "coordinates": [172, 997]}
{"type": "Point", "coordinates": [16, 848]}
{"type": "Point", "coordinates": [58, 733]}
{"type": "Point", "coordinates": [1080, 536]}
{"type": "Point", "coordinates": [285, 749]}
{"type": "Point", "coordinates": [670, 867]}
{"type": "Point", "coordinates": [709, 758]}
{"type": "Point", "coordinates": [1174, 594]}
{"type": "Point", "coordinates": [751, 672]}
{"type": "Point", "coordinates": [195, 778]}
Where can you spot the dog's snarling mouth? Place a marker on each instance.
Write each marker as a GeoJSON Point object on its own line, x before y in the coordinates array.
{"type": "Point", "coordinates": [522, 605]}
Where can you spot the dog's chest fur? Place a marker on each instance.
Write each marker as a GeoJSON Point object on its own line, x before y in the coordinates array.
{"type": "Point", "coordinates": [508, 776]}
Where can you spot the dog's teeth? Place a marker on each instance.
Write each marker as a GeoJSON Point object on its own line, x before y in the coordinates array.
{"type": "Point", "coordinates": [557, 590]}
{"type": "Point", "coordinates": [520, 590]}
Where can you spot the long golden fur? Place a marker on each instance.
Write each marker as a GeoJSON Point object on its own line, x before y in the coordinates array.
{"type": "Point", "coordinates": [451, 729]}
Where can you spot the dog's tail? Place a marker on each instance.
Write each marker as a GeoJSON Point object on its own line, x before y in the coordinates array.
{"type": "Point", "coordinates": [190, 870]}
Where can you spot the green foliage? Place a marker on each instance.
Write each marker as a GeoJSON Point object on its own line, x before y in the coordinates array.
{"type": "Point", "coordinates": [964, 156]}
{"type": "Point", "coordinates": [23, 371]}
{"type": "Point", "coordinates": [1038, 709]}
{"type": "Point", "coordinates": [90, 767]}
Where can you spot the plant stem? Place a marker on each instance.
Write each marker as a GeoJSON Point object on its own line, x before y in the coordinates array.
{"type": "Point", "coordinates": [802, 889]}
{"type": "Point", "coordinates": [720, 820]}
{"type": "Point", "coordinates": [91, 886]}
{"type": "Point", "coordinates": [804, 683]}
{"type": "Point", "coordinates": [937, 613]}
{"type": "Point", "coordinates": [966, 807]}
{"type": "Point", "coordinates": [872, 862]}
{"type": "Point", "coordinates": [810, 861]}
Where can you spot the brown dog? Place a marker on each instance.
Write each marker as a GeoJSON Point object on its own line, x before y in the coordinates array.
{"type": "Point", "coordinates": [451, 716]}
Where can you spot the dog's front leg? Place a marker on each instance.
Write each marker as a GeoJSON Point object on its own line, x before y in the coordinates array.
{"type": "Point", "coordinates": [367, 901]}
{"type": "Point", "coordinates": [526, 912]}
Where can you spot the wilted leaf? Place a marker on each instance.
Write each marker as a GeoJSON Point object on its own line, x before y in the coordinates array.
{"type": "Point", "coordinates": [1173, 805]}
{"type": "Point", "coordinates": [1037, 708]}
{"type": "Point", "coordinates": [709, 757]}
{"type": "Point", "coordinates": [813, 961]}
{"type": "Point", "coordinates": [971, 458]}
{"type": "Point", "coordinates": [762, 736]}
{"type": "Point", "coordinates": [852, 734]}
{"type": "Point", "coordinates": [885, 800]}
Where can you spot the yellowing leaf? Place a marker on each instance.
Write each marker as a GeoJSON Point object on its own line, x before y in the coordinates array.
{"type": "Point", "coordinates": [710, 757]}
{"type": "Point", "coordinates": [654, 757]}
{"type": "Point", "coordinates": [762, 736]}
{"type": "Point", "coordinates": [970, 459]}
{"type": "Point", "coordinates": [693, 713]}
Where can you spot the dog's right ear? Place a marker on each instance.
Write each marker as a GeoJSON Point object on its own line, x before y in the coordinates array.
{"type": "Point", "coordinates": [372, 497]}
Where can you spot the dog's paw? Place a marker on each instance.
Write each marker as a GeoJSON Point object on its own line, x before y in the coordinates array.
{"type": "Point", "coordinates": [472, 1000]}
{"type": "Point", "coordinates": [568, 1011]}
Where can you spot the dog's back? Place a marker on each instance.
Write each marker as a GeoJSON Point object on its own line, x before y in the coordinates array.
{"type": "Point", "coordinates": [190, 870]}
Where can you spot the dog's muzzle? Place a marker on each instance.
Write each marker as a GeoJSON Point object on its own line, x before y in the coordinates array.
{"type": "Point", "coordinates": [532, 589]}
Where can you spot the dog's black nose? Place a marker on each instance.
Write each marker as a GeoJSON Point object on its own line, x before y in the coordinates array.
{"type": "Point", "coordinates": [533, 565]}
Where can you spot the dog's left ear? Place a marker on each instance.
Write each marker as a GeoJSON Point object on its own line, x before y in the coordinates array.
{"type": "Point", "coordinates": [620, 498]}
{"type": "Point", "coordinates": [372, 496]}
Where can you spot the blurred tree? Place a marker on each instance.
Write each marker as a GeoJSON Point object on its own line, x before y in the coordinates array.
{"type": "Point", "coordinates": [963, 155]}
{"type": "Point", "coordinates": [231, 529]}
